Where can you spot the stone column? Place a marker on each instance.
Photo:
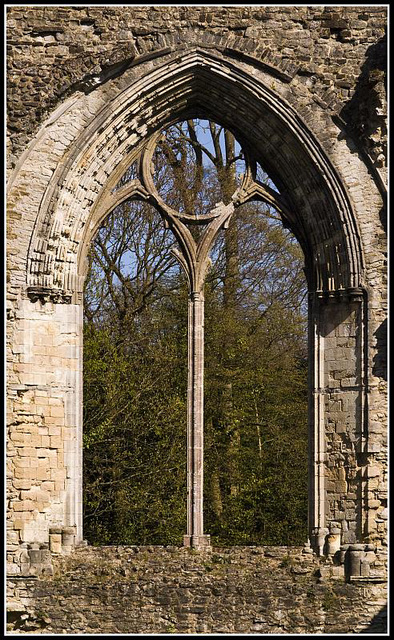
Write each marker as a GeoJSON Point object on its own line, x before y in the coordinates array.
{"type": "Point", "coordinates": [317, 517]}
{"type": "Point", "coordinates": [195, 424]}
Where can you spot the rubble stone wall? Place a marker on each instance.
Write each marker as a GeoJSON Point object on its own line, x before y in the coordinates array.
{"type": "Point", "coordinates": [336, 53]}
{"type": "Point", "coordinates": [253, 590]}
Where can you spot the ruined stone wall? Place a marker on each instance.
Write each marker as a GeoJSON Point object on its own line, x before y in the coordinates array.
{"type": "Point", "coordinates": [45, 408]}
{"type": "Point", "coordinates": [253, 590]}
{"type": "Point", "coordinates": [338, 54]}
{"type": "Point", "coordinates": [68, 67]}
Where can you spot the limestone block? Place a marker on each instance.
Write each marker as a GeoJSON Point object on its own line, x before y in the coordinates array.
{"type": "Point", "coordinates": [22, 483]}
{"type": "Point", "coordinates": [58, 475]}
{"type": "Point", "coordinates": [23, 505]}
{"type": "Point", "coordinates": [12, 537]}
{"type": "Point", "coordinates": [19, 437]}
{"type": "Point", "coordinates": [42, 429]}
{"type": "Point", "coordinates": [42, 473]}
{"type": "Point", "coordinates": [25, 473]}
{"type": "Point", "coordinates": [48, 486]}
{"type": "Point", "coordinates": [45, 411]}
{"type": "Point", "coordinates": [340, 487]}
{"type": "Point", "coordinates": [57, 422]}
{"type": "Point", "coordinates": [373, 471]}
{"type": "Point", "coordinates": [57, 411]}
{"type": "Point", "coordinates": [22, 462]}
{"type": "Point", "coordinates": [373, 483]}
{"type": "Point", "coordinates": [55, 542]}
{"type": "Point", "coordinates": [56, 442]}
{"type": "Point", "coordinates": [13, 569]}
{"type": "Point", "coordinates": [36, 495]}
{"type": "Point", "coordinates": [53, 462]}
{"type": "Point", "coordinates": [21, 519]}
{"type": "Point", "coordinates": [54, 430]}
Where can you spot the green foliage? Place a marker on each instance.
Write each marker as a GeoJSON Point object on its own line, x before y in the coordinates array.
{"type": "Point", "coordinates": [134, 439]}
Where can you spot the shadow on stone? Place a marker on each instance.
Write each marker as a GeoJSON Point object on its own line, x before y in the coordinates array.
{"type": "Point", "coordinates": [378, 623]}
{"type": "Point", "coordinates": [379, 368]}
{"type": "Point", "coordinates": [364, 114]}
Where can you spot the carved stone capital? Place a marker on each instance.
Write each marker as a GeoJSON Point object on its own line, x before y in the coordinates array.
{"type": "Point", "coordinates": [46, 294]}
{"type": "Point", "coordinates": [351, 294]}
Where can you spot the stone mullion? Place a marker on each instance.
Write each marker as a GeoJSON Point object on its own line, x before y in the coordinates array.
{"type": "Point", "coordinates": [195, 427]}
{"type": "Point", "coordinates": [194, 259]}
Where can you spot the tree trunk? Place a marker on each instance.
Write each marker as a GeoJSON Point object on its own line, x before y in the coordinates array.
{"type": "Point", "coordinates": [230, 290]}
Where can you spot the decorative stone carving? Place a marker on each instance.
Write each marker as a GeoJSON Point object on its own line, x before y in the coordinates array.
{"type": "Point", "coordinates": [44, 294]}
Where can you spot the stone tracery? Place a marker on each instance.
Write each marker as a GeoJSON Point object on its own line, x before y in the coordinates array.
{"type": "Point", "coordinates": [193, 256]}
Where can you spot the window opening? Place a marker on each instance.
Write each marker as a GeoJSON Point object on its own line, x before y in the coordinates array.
{"type": "Point", "coordinates": [197, 157]}
{"type": "Point", "coordinates": [222, 221]}
{"type": "Point", "coordinates": [263, 178]}
{"type": "Point", "coordinates": [135, 378]}
{"type": "Point", "coordinates": [256, 424]}
{"type": "Point", "coordinates": [128, 176]}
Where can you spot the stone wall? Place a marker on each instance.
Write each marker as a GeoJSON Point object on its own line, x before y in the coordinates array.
{"type": "Point", "coordinates": [43, 450]}
{"type": "Point", "coordinates": [305, 88]}
{"type": "Point", "coordinates": [337, 53]}
{"type": "Point", "coordinates": [145, 590]}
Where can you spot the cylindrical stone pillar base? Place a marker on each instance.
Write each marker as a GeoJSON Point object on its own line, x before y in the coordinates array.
{"type": "Point", "coordinates": [333, 542]}
{"type": "Point", "coordinates": [68, 539]}
{"type": "Point", "coordinates": [355, 562]}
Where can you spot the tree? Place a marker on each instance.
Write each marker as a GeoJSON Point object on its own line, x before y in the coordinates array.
{"type": "Point", "coordinates": [135, 362]}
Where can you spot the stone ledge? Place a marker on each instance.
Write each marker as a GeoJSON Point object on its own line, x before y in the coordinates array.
{"type": "Point", "coordinates": [367, 579]}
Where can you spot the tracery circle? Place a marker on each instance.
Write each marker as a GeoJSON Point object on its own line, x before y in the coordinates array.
{"type": "Point", "coordinates": [147, 174]}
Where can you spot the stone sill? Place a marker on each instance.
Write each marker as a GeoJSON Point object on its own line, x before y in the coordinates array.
{"type": "Point", "coordinates": [367, 579]}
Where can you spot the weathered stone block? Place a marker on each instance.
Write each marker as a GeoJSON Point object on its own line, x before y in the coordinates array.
{"type": "Point", "coordinates": [55, 542]}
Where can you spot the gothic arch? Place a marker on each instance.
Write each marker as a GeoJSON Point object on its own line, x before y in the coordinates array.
{"type": "Point", "coordinates": [76, 160]}
{"type": "Point", "coordinates": [198, 83]}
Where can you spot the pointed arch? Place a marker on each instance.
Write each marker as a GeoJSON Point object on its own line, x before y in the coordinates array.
{"type": "Point", "coordinates": [196, 84]}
